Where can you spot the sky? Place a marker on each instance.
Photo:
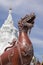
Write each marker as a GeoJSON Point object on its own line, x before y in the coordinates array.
{"type": "Point", "coordinates": [19, 9]}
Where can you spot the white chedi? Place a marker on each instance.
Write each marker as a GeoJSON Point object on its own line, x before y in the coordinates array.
{"type": "Point", "coordinates": [7, 33]}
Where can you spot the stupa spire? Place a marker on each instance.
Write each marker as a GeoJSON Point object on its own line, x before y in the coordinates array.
{"type": "Point", "coordinates": [7, 32]}
{"type": "Point", "coordinates": [9, 18]}
{"type": "Point", "coordinates": [9, 21]}
{"type": "Point", "coordinates": [10, 10]}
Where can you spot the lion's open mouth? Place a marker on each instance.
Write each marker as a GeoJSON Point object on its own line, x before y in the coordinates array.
{"type": "Point", "coordinates": [31, 20]}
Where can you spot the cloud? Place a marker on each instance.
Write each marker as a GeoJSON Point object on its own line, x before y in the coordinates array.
{"type": "Point", "coordinates": [37, 41]}
{"type": "Point", "coordinates": [36, 35]}
{"type": "Point", "coordinates": [38, 47]}
{"type": "Point", "coordinates": [37, 30]}
{"type": "Point", "coordinates": [22, 6]}
{"type": "Point", "coordinates": [13, 3]}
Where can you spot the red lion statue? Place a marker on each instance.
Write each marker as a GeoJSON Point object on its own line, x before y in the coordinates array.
{"type": "Point", "coordinates": [21, 51]}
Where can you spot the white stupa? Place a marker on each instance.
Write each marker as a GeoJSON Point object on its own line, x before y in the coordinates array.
{"type": "Point", "coordinates": [7, 32]}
